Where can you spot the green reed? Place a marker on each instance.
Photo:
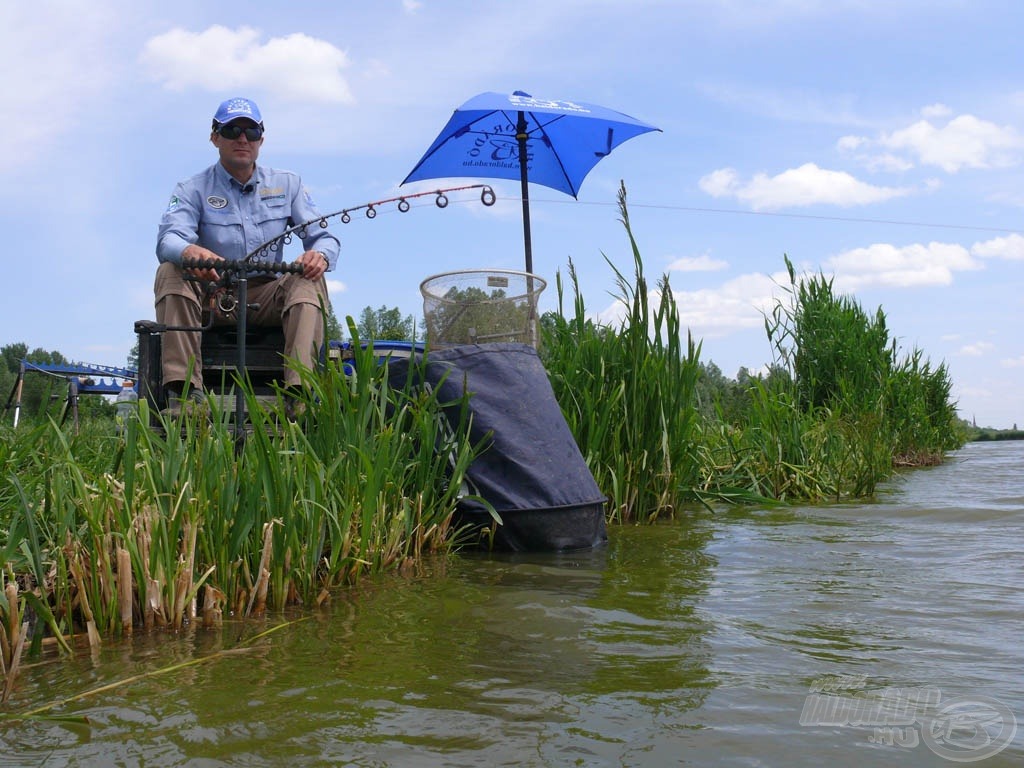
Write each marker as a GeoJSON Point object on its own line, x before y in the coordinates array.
{"type": "Point", "coordinates": [918, 399]}
{"type": "Point", "coordinates": [837, 412]}
{"type": "Point", "coordinates": [628, 393]}
{"type": "Point", "coordinates": [847, 412]}
{"type": "Point", "coordinates": [158, 527]}
{"type": "Point", "coordinates": [788, 453]}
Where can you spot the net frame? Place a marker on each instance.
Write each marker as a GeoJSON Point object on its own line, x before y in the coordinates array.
{"type": "Point", "coordinates": [477, 306]}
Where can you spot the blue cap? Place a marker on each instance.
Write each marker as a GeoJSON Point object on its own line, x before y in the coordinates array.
{"type": "Point", "coordinates": [236, 108]}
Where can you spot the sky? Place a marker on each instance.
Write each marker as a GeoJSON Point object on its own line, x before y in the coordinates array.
{"type": "Point", "coordinates": [880, 144]}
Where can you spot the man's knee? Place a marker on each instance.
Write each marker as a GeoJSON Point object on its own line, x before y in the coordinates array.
{"type": "Point", "coordinates": [176, 309]}
{"type": "Point", "coordinates": [170, 281]}
{"type": "Point", "coordinates": [301, 291]}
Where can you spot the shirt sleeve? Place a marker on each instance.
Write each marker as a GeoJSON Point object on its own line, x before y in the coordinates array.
{"type": "Point", "coordinates": [317, 238]}
{"type": "Point", "coordinates": [179, 226]}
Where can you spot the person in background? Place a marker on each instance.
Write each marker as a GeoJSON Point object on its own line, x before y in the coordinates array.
{"type": "Point", "coordinates": [226, 212]}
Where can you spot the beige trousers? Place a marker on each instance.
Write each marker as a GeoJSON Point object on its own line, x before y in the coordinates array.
{"type": "Point", "coordinates": [290, 301]}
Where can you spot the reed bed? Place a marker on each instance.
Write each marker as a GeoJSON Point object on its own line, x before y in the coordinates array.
{"type": "Point", "coordinates": [628, 393]}
{"type": "Point", "coordinates": [185, 523]}
{"type": "Point", "coordinates": [838, 411]}
{"type": "Point", "coordinates": [103, 533]}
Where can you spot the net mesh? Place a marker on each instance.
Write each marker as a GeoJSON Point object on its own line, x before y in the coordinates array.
{"type": "Point", "coordinates": [477, 306]}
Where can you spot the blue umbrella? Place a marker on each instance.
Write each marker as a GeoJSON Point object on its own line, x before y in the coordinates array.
{"type": "Point", "coordinates": [502, 136]}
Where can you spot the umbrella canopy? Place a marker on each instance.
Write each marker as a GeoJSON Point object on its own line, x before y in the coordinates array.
{"type": "Point", "coordinates": [516, 136]}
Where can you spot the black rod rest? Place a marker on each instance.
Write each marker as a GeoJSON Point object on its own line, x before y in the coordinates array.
{"type": "Point", "coordinates": [234, 275]}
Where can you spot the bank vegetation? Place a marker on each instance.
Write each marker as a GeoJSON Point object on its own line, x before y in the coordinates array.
{"type": "Point", "coordinates": [107, 532]}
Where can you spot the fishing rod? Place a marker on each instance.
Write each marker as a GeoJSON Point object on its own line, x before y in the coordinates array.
{"type": "Point", "coordinates": [231, 290]}
{"type": "Point", "coordinates": [250, 266]}
{"type": "Point", "coordinates": [487, 197]}
{"type": "Point", "coordinates": [220, 291]}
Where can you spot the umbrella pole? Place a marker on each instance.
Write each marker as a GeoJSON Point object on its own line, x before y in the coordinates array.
{"type": "Point", "coordinates": [521, 137]}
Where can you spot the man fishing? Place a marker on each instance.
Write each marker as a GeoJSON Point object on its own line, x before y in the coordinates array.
{"type": "Point", "coordinates": [227, 212]}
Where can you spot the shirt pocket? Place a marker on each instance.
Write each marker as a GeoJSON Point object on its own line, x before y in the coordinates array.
{"type": "Point", "coordinates": [272, 217]}
{"type": "Point", "coordinates": [224, 236]}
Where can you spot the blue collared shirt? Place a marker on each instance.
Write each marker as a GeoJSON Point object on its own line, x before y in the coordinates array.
{"type": "Point", "coordinates": [213, 210]}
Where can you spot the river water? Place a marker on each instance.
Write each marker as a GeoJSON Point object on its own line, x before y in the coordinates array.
{"type": "Point", "coordinates": [886, 633]}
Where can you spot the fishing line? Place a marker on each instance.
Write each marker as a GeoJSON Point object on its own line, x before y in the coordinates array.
{"type": "Point", "coordinates": [807, 216]}
{"type": "Point", "coordinates": [488, 197]}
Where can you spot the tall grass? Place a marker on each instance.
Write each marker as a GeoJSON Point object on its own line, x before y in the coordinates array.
{"type": "Point", "coordinates": [849, 409]}
{"type": "Point", "coordinates": [837, 412]}
{"type": "Point", "coordinates": [182, 523]}
{"type": "Point", "coordinates": [925, 424]}
{"type": "Point", "coordinates": [628, 392]}
{"type": "Point", "coordinates": [102, 534]}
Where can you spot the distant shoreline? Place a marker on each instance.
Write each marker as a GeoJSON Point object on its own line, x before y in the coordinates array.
{"type": "Point", "coordinates": [994, 434]}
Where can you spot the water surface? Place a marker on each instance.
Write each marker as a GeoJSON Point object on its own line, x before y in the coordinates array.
{"type": "Point", "coordinates": [796, 637]}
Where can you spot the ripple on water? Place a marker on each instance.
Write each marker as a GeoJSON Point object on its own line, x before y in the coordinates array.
{"type": "Point", "coordinates": [696, 642]}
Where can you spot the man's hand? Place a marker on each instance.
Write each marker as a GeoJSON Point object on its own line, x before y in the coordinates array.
{"type": "Point", "coordinates": [198, 252]}
{"type": "Point", "coordinates": [314, 264]}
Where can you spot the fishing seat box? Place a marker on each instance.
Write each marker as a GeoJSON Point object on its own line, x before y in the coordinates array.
{"type": "Point", "coordinates": [264, 359]}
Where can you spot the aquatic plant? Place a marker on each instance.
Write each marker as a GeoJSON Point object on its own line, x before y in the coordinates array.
{"type": "Point", "coordinates": [154, 528]}
{"type": "Point", "coordinates": [849, 409]}
{"type": "Point", "coordinates": [924, 420]}
{"type": "Point", "coordinates": [103, 532]}
{"type": "Point", "coordinates": [628, 391]}
{"type": "Point", "coordinates": [837, 411]}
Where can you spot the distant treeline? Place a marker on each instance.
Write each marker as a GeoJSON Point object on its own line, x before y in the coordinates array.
{"type": "Point", "coordinates": [42, 393]}
{"type": "Point", "coordinates": [981, 435]}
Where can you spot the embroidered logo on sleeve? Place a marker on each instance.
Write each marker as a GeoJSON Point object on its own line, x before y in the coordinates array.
{"type": "Point", "coordinates": [173, 203]}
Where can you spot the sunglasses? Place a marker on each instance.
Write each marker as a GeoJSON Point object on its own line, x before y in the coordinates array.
{"type": "Point", "coordinates": [232, 132]}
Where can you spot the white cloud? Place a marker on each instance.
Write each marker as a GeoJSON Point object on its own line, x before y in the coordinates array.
{"type": "Point", "coordinates": [806, 185]}
{"type": "Point", "coordinates": [702, 263]}
{"type": "Point", "coordinates": [906, 266]}
{"type": "Point", "coordinates": [1010, 248]}
{"type": "Point", "coordinates": [850, 143]}
{"type": "Point", "coordinates": [736, 305]}
{"type": "Point", "coordinates": [292, 67]}
{"type": "Point", "coordinates": [58, 62]}
{"type": "Point", "coordinates": [859, 147]}
{"type": "Point", "coordinates": [1012, 362]}
{"type": "Point", "coordinates": [963, 142]}
{"type": "Point", "coordinates": [953, 144]}
{"type": "Point", "coordinates": [1011, 196]}
{"type": "Point", "coordinates": [887, 163]}
{"type": "Point", "coordinates": [721, 183]}
{"type": "Point", "coordinates": [977, 349]}
{"type": "Point", "coordinates": [411, 6]}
